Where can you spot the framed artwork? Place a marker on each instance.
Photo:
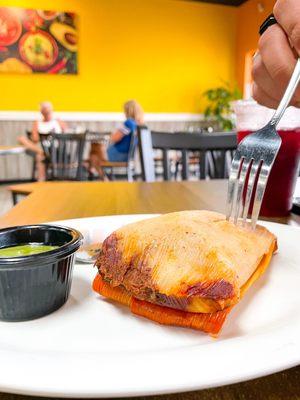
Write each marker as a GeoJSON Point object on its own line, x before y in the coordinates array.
{"type": "Point", "coordinates": [38, 41]}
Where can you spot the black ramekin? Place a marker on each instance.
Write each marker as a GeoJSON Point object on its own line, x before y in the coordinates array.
{"type": "Point", "coordinates": [36, 285]}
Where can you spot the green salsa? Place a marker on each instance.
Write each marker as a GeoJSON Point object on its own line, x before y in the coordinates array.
{"type": "Point", "coordinates": [25, 250]}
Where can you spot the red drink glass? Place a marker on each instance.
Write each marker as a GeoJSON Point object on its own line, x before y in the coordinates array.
{"type": "Point", "coordinates": [278, 197]}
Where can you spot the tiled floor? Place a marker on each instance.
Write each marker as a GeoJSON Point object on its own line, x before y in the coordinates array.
{"type": "Point", "coordinates": [5, 200]}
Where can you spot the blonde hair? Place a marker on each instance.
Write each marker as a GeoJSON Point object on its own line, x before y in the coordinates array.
{"type": "Point", "coordinates": [46, 104]}
{"type": "Point", "coordinates": [133, 110]}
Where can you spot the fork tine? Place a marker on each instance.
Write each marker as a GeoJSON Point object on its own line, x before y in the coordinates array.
{"type": "Point", "coordinates": [240, 190]}
{"type": "Point", "coordinates": [250, 186]}
{"type": "Point", "coordinates": [233, 178]}
{"type": "Point", "coordinates": [259, 194]}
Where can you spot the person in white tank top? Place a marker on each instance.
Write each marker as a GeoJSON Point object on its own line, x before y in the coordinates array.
{"type": "Point", "coordinates": [47, 124]}
{"type": "Point", "coordinates": [53, 126]}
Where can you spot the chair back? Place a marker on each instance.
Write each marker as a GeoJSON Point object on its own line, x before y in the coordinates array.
{"type": "Point", "coordinates": [215, 152]}
{"type": "Point", "coordinates": [63, 155]}
{"type": "Point", "coordinates": [133, 146]}
{"type": "Point", "coordinates": [146, 153]}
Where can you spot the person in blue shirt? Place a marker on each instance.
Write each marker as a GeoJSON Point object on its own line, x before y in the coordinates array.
{"type": "Point", "coordinates": [120, 140]}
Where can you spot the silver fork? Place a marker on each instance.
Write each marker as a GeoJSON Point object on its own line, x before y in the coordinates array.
{"type": "Point", "coordinates": [254, 159]}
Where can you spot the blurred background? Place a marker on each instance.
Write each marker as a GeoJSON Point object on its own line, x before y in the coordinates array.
{"type": "Point", "coordinates": [101, 69]}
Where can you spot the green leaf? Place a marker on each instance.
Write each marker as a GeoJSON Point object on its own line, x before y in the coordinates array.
{"type": "Point", "coordinates": [219, 103]}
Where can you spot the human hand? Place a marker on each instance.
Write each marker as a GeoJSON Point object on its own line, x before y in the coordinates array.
{"type": "Point", "coordinates": [278, 50]}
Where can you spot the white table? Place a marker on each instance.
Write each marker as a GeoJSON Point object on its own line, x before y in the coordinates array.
{"type": "Point", "coordinates": [11, 150]}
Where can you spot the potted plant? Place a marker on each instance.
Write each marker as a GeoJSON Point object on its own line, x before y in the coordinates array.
{"type": "Point", "coordinates": [219, 105]}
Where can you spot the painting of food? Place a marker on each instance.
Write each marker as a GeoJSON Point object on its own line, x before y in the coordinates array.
{"type": "Point", "coordinates": [38, 41]}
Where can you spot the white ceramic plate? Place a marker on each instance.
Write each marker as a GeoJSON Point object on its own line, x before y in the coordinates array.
{"type": "Point", "coordinates": [94, 348]}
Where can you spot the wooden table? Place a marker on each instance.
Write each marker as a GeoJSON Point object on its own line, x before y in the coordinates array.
{"type": "Point", "coordinates": [7, 150]}
{"type": "Point", "coordinates": [74, 200]}
{"type": "Point", "coordinates": [50, 201]}
{"type": "Point", "coordinates": [24, 189]}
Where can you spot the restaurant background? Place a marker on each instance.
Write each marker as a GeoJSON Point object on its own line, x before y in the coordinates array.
{"type": "Point", "coordinates": [38, 41]}
{"type": "Point", "coordinates": [161, 52]}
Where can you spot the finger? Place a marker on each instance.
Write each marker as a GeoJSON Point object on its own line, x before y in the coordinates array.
{"type": "Point", "coordinates": [278, 57]}
{"type": "Point", "coordinates": [262, 97]}
{"type": "Point", "coordinates": [263, 79]}
{"type": "Point", "coordinates": [277, 54]}
{"type": "Point", "coordinates": [287, 13]}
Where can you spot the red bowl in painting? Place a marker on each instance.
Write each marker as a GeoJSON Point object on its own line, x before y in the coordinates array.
{"type": "Point", "coordinates": [11, 27]}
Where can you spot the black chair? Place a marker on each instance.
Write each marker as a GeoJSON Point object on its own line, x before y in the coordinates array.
{"type": "Point", "coordinates": [215, 152]}
{"type": "Point", "coordinates": [63, 155]}
{"type": "Point", "coordinates": [33, 155]}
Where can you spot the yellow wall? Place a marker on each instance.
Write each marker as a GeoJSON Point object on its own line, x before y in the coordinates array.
{"type": "Point", "coordinates": [164, 53]}
{"type": "Point", "coordinates": [249, 19]}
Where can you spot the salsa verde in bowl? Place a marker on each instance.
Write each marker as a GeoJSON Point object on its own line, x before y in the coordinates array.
{"type": "Point", "coordinates": [25, 250]}
{"type": "Point", "coordinates": [36, 265]}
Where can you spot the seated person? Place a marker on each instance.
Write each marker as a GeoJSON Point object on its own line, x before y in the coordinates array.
{"type": "Point", "coordinates": [120, 140]}
{"type": "Point", "coordinates": [47, 124]}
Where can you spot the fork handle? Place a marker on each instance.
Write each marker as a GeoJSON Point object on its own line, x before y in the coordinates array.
{"type": "Point", "coordinates": [292, 86]}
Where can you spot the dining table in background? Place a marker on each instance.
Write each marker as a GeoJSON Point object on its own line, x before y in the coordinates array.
{"type": "Point", "coordinates": [10, 151]}
{"type": "Point", "coordinates": [58, 201]}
